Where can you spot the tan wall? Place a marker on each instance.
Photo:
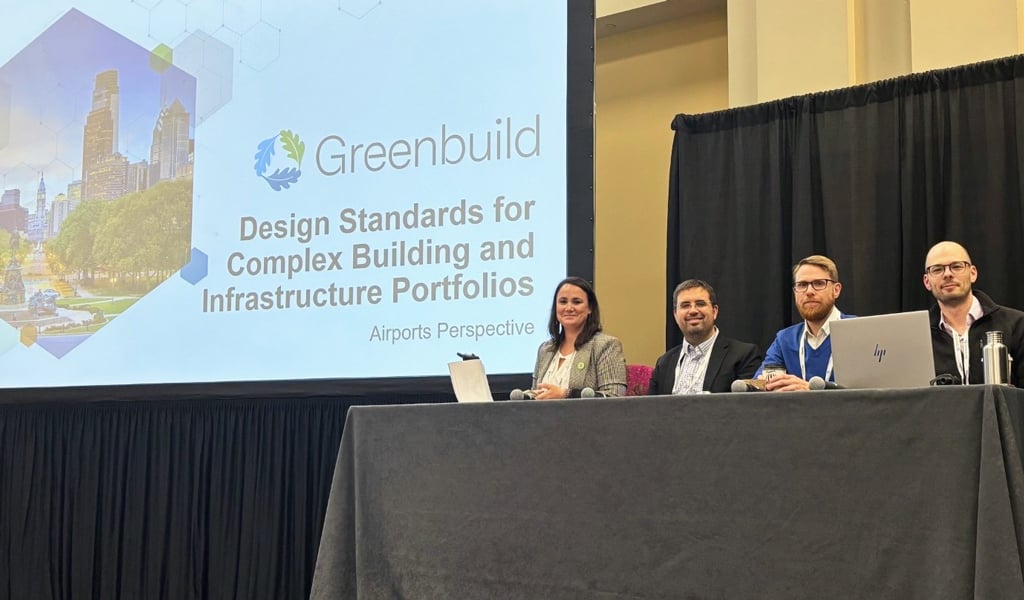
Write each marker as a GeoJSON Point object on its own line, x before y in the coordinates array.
{"type": "Point", "coordinates": [882, 39]}
{"type": "Point", "coordinates": [780, 48]}
{"type": "Point", "coordinates": [786, 29]}
{"type": "Point", "coordinates": [742, 35]}
{"type": "Point", "coordinates": [944, 33]}
{"type": "Point", "coordinates": [644, 78]}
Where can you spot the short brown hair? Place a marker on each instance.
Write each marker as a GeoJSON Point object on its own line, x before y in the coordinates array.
{"type": "Point", "coordinates": [689, 284]}
{"type": "Point", "coordinates": [818, 260]}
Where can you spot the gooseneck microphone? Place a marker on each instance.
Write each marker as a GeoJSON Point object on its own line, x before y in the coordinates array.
{"type": "Point", "coordinates": [817, 383]}
{"type": "Point", "coordinates": [587, 392]}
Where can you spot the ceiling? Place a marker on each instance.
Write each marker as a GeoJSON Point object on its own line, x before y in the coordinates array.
{"type": "Point", "coordinates": [652, 13]}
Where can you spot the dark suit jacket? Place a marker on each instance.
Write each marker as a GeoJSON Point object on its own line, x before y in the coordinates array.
{"type": "Point", "coordinates": [730, 360]}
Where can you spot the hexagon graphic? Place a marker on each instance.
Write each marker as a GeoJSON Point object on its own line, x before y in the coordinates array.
{"type": "Point", "coordinates": [212, 63]}
{"type": "Point", "coordinates": [160, 58]}
{"type": "Point", "coordinates": [9, 338]}
{"type": "Point", "coordinates": [29, 335]}
{"type": "Point", "coordinates": [204, 16]}
{"type": "Point", "coordinates": [97, 191]}
{"type": "Point", "coordinates": [5, 113]}
{"type": "Point", "coordinates": [69, 146]}
{"type": "Point", "coordinates": [197, 268]}
{"type": "Point", "coordinates": [37, 143]}
{"type": "Point", "coordinates": [261, 45]}
{"type": "Point", "coordinates": [167, 22]}
{"type": "Point", "coordinates": [358, 8]}
{"type": "Point", "coordinates": [239, 16]}
{"type": "Point", "coordinates": [10, 176]}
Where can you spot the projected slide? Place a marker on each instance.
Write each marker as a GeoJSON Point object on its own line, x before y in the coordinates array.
{"type": "Point", "coordinates": [251, 190]}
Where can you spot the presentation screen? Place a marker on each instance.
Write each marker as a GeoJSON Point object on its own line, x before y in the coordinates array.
{"type": "Point", "coordinates": [229, 191]}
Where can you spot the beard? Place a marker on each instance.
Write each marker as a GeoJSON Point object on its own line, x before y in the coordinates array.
{"type": "Point", "coordinates": [816, 313]}
{"type": "Point", "coordinates": [701, 331]}
{"type": "Point", "coordinates": [954, 297]}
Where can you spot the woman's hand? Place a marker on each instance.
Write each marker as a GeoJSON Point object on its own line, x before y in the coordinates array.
{"type": "Point", "coordinates": [549, 391]}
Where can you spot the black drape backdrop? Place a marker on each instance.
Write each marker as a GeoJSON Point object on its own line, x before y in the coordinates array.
{"type": "Point", "coordinates": [166, 498]}
{"type": "Point", "coordinates": [870, 176]}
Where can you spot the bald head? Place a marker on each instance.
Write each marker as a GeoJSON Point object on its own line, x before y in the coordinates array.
{"type": "Point", "coordinates": [949, 274]}
{"type": "Point", "coordinates": [945, 252]}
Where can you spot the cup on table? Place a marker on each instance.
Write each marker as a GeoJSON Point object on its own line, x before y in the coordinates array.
{"type": "Point", "coordinates": [770, 371]}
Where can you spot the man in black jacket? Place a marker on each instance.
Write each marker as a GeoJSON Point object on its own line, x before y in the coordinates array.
{"type": "Point", "coordinates": [705, 361]}
{"type": "Point", "coordinates": [963, 315]}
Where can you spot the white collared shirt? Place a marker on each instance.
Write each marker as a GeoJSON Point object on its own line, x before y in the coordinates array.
{"type": "Point", "coordinates": [961, 347]}
{"type": "Point", "coordinates": [815, 341]}
{"type": "Point", "coordinates": [973, 314]}
{"type": "Point", "coordinates": [693, 365]}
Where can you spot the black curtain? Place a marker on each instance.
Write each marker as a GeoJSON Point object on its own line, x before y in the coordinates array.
{"type": "Point", "coordinates": [167, 498]}
{"type": "Point", "coordinates": [870, 176]}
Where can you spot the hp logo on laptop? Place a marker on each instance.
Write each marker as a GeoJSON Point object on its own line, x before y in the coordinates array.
{"type": "Point", "coordinates": [879, 353]}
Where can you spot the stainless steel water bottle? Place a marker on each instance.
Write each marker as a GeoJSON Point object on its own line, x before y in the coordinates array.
{"type": "Point", "coordinates": [995, 359]}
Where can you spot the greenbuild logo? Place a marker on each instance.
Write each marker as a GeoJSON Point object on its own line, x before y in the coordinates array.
{"type": "Point", "coordinates": [282, 177]}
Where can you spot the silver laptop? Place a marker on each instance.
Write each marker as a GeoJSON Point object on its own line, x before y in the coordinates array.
{"type": "Point", "coordinates": [883, 351]}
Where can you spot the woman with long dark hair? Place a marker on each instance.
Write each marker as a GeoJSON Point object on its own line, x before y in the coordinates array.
{"type": "Point", "coordinates": [578, 355]}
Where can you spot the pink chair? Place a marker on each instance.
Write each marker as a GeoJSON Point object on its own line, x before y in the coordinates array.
{"type": "Point", "coordinates": [638, 378]}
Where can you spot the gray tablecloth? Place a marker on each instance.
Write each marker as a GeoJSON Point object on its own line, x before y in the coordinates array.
{"type": "Point", "coordinates": [833, 494]}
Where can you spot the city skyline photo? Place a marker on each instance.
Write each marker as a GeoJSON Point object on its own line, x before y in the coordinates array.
{"type": "Point", "coordinates": [49, 88]}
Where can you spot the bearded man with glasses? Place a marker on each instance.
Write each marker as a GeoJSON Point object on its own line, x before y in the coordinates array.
{"type": "Point", "coordinates": [962, 316]}
{"type": "Point", "coordinates": [705, 361]}
{"type": "Point", "coordinates": [805, 348]}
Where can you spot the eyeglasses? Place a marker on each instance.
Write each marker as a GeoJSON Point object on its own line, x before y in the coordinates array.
{"type": "Point", "coordinates": [701, 304]}
{"type": "Point", "coordinates": [956, 267]}
{"type": "Point", "coordinates": [818, 284]}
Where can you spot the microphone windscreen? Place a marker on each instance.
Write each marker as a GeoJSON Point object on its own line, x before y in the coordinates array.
{"type": "Point", "coordinates": [748, 385]}
{"type": "Point", "coordinates": [516, 394]}
{"type": "Point", "coordinates": [587, 392]}
{"type": "Point", "coordinates": [816, 383]}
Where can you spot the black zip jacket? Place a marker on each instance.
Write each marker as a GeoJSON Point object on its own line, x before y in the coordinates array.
{"type": "Point", "coordinates": [996, 318]}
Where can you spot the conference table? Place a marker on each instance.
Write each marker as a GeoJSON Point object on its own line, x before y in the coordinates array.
{"type": "Point", "coordinates": [914, 493]}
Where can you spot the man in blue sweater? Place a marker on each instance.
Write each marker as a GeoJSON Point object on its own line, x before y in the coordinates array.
{"type": "Point", "coordinates": [805, 349]}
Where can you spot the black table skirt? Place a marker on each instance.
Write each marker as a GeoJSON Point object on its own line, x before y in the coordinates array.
{"type": "Point", "coordinates": [834, 494]}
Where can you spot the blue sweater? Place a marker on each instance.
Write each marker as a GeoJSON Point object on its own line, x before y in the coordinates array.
{"type": "Point", "coordinates": [785, 350]}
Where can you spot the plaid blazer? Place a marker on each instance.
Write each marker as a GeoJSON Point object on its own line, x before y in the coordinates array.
{"type": "Point", "coordinates": [599, 364]}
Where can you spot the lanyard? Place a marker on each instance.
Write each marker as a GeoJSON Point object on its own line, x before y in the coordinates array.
{"type": "Point", "coordinates": [803, 358]}
{"type": "Point", "coordinates": [962, 351]}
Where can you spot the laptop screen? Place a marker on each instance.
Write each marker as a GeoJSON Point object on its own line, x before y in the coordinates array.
{"type": "Point", "coordinates": [883, 351]}
{"type": "Point", "coordinates": [470, 381]}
